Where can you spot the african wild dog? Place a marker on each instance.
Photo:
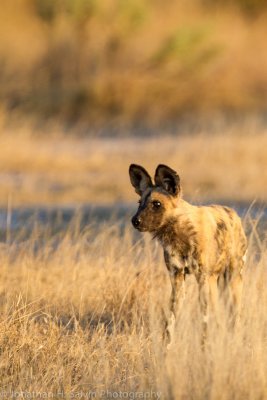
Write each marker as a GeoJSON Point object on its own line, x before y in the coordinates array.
{"type": "Point", "coordinates": [207, 241]}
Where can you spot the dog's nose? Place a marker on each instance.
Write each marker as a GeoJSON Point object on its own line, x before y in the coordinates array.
{"type": "Point", "coordinates": [136, 221]}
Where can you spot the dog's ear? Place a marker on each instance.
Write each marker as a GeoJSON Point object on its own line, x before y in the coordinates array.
{"type": "Point", "coordinates": [168, 179]}
{"type": "Point", "coordinates": [140, 179]}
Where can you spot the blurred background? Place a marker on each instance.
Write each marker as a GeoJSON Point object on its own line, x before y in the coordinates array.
{"type": "Point", "coordinates": [89, 86]}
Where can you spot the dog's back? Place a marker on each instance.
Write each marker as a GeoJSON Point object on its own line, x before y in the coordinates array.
{"type": "Point", "coordinates": [209, 238]}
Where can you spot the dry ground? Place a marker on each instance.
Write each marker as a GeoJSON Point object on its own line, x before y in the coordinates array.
{"type": "Point", "coordinates": [80, 312]}
{"type": "Point", "coordinates": [229, 162]}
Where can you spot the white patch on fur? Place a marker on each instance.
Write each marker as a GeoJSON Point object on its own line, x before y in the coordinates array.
{"type": "Point", "coordinates": [174, 258]}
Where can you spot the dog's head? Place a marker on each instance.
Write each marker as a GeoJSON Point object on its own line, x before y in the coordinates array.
{"type": "Point", "coordinates": [157, 200]}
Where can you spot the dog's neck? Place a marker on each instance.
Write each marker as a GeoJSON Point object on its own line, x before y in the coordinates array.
{"type": "Point", "coordinates": [178, 231]}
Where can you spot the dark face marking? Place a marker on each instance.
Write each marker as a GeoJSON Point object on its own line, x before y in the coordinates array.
{"type": "Point", "coordinates": [143, 201]}
{"type": "Point", "coordinates": [151, 212]}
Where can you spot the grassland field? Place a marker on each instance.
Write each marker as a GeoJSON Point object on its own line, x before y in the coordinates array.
{"type": "Point", "coordinates": [81, 307]}
{"type": "Point", "coordinates": [81, 316]}
{"type": "Point", "coordinates": [227, 163]}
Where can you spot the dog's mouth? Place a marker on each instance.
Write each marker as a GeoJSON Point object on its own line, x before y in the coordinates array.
{"type": "Point", "coordinates": [140, 228]}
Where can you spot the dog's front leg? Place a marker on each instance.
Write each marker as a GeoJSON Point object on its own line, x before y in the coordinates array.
{"type": "Point", "coordinates": [176, 300]}
{"type": "Point", "coordinates": [175, 266]}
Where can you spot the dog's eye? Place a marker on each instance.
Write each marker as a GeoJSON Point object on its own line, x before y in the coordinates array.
{"type": "Point", "coordinates": [156, 204]}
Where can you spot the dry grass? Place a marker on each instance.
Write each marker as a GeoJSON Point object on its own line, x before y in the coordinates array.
{"type": "Point", "coordinates": [80, 314]}
{"type": "Point", "coordinates": [227, 163]}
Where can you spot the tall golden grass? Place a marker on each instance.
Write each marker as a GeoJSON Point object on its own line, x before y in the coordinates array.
{"type": "Point", "coordinates": [125, 62]}
{"type": "Point", "coordinates": [80, 316]}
